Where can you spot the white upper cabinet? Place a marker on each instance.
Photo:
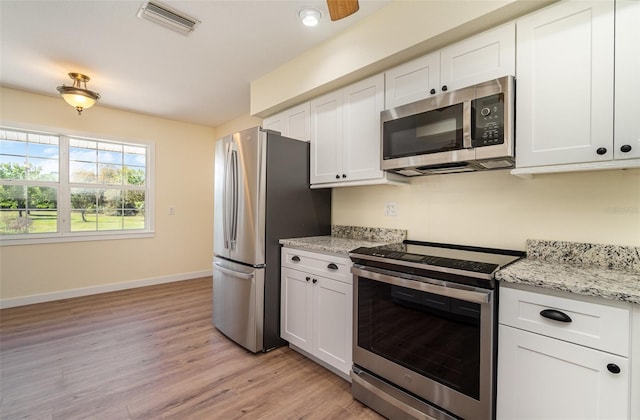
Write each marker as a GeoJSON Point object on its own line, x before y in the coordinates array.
{"type": "Point", "coordinates": [483, 57]}
{"type": "Point", "coordinates": [412, 81]}
{"type": "Point", "coordinates": [627, 80]}
{"type": "Point", "coordinates": [488, 55]}
{"type": "Point", "coordinates": [566, 116]}
{"type": "Point", "coordinates": [292, 122]}
{"type": "Point", "coordinates": [565, 84]}
{"type": "Point", "coordinates": [345, 136]}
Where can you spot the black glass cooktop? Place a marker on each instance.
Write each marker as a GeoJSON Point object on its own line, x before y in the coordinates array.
{"type": "Point", "coordinates": [447, 256]}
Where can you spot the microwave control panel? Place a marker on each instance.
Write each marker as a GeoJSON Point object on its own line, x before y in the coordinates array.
{"type": "Point", "coordinates": [487, 120]}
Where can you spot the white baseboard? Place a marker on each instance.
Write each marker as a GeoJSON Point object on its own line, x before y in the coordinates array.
{"type": "Point", "coordinates": [94, 290]}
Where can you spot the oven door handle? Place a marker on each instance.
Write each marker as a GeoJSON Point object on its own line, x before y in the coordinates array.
{"type": "Point", "coordinates": [453, 290]}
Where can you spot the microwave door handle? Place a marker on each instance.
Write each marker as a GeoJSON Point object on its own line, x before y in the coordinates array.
{"type": "Point", "coordinates": [466, 124]}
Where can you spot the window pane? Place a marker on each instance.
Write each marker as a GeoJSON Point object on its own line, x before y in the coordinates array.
{"type": "Point", "coordinates": [84, 204]}
{"type": "Point", "coordinates": [135, 156]}
{"type": "Point", "coordinates": [134, 175]}
{"type": "Point", "coordinates": [28, 209]}
{"type": "Point", "coordinates": [109, 174]}
{"type": "Point", "coordinates": [134, 213]}
{"type": "Point", "coordinates": [83, 172]}
{"type": "Point", "coordinates": [42, 169]}
{"type": "Point", "coordinates": [28, 156]}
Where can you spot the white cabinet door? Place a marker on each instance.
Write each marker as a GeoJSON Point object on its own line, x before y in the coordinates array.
{"type": "Point", "coordinates": [296, 321]}
{"type": "Point", "coordinates": [543, 378]}
{"type": "Point", "coordinates": [488, 55]}
{"type": "Point", "coordinates": [627, 80]}
{"type": "Point", "coordinates": [293, 122]}
{"type": "Point", "coordinates": [332, 322]}
{"type": "Point", "coordinates": [565, 84]}
{"type": "Point", "coordinates": [362, 104]}
{"type": "Point", "coordinates": [412, 81]}
{"type": "Point", "coordinates": [326, 138]}
{"type": "Point", "coordinates": [274, 122]}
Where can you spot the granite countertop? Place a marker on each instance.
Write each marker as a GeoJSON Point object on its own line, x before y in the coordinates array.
{"type": "Point", "coordinates": [606, 271]}
{"type": "Point", "coordinates": [346, 238]}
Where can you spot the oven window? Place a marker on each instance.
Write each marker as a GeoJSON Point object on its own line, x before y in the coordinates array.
{"type": "Point", "coordinates": [433, 335]}
{"type": "Point", "coordinates": [429, 132]}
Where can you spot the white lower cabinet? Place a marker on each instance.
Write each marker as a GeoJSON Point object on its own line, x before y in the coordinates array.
{"type": "Point", "coordinates": [316, 307]}
{"type": "Point", "coordinates": [544, 374]}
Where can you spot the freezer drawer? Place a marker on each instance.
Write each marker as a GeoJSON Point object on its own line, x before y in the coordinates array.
{"type": "Point", "coordinates": [238, 303]}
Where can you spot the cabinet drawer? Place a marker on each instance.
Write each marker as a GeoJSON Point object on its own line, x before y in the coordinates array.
{"type": "Point", "coordinates": [334, 267]}
{"type": "Point", "coordinates": [599, 326]}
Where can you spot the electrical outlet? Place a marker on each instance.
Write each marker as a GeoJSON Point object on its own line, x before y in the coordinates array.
{"type": "Point", "coordinates": [390, 209]}
{"type": "Point", "coordinates": [172, 211]}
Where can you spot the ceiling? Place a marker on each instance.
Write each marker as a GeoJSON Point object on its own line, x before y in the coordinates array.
{"type": "Point", "coordinates": [137, 65]}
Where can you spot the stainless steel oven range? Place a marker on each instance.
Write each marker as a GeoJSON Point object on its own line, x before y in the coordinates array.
{"type": "Point", "coordinates": [424, 336]}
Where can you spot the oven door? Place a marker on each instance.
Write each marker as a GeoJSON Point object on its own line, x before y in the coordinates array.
{"type": "Point", "coordinates": [432, 338]}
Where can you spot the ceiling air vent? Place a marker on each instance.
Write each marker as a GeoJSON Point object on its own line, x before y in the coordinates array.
{"type": "Point", "coordinates": [167, 17]}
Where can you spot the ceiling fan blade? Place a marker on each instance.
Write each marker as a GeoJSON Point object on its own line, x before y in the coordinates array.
{"type": "Point", "coordinates": [339, 9]}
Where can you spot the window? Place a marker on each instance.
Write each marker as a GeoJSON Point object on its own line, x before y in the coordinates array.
{"type": "Point", "coordinates": [58, 187]}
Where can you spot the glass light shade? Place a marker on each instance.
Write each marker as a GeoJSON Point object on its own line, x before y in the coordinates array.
{"type": "Point", "coordinates": [78, 96]}
{"type": "Point", "coordinates": [309, 16]}
{"type": "Point", "coordinates": [78, 100]}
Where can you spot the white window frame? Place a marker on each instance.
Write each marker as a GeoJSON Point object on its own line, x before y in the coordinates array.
{"type": "Point", "coordinates": [64, 186]}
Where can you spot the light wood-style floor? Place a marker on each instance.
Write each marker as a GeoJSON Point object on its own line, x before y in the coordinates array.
{"type": "Point", "coordinates": [152, 353]}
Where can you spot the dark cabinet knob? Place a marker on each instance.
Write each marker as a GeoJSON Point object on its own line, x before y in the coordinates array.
{"type": "Point", "coordinates": [625, 148]}
{"type": "Point", "coordinates": [295, 258]}
{"type": "Point", "coordinates": [601, 150]}
{"type": "Point", "coordinates": [432, 91]}
{"type": "Point", "coordinates": [315, 281]}
{"type": "Point", "coordinates": [444, 88]}
{"type": "Point", "coordinates": [337, 176]}
{"type": "Point", "coordinates": [344, 175]}
{"type": "Point", "coordinates": [332, 266]}
{"type": "Point", "coordinates": [613, 368]}
{"type": "Point", "coordinates": [307, 278]}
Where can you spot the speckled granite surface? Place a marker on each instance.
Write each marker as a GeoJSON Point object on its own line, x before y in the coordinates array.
{"type": "Point", "coordinates": [346, 238]}
{"type": "Point", "coordinates": [389, 236]}
{"type": "Point", "coordinates": [607, 271]}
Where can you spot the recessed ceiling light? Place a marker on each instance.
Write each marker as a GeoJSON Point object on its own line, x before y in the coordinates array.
{"type": "Point", "coordinates": [310, 16]}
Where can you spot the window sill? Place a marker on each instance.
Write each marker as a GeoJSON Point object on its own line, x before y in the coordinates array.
{"type": "Point", "coordinates": [75, 238]}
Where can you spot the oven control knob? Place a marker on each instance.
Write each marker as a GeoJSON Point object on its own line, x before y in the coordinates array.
{"type": "Point", "coordinates": [485, 111]}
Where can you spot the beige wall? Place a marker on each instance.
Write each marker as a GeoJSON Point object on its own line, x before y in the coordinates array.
{"type": "Point", "coordinates": [402, 30]}
{"type": "Point", "coordinates": [182, 246]}
{"type": "Point", "coordinates": [498, 209]}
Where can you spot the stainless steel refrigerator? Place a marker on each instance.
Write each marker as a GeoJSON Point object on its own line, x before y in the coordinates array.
{"type": "Point", "coordinates": [261, 195]}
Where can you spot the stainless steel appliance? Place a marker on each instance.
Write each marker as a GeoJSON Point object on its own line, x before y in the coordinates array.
{"type": "Point", "coordinates": [261, 195]}
{"type": "Point", "coordinates": [425, 318]}
{"type": "Point", "coordinates": [468, 129]}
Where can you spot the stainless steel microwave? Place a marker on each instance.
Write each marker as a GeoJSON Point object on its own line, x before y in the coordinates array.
{"type": "Point", "coordinates": [468, 129]}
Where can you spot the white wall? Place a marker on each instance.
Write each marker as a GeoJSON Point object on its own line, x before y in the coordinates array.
{"type": "Point", "coordinates": [183, 243]}
{"type": "Point", "coordinates": [497, 209]}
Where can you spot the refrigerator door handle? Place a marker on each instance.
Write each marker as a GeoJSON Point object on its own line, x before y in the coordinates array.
{"type": "Point", "coordinates": [233, 273]}
{"type": "Point", "coordinates": [225, 195]}
{"type": "Point", "coordinates": [234, 200]}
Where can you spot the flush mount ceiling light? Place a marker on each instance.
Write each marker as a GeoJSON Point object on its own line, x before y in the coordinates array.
{"type": "Point", "coordinates": [78, 96]}
{"type": "Point", "coordinates": [167, 17]}
{"type": "Point", "coordinates": [310, 16]}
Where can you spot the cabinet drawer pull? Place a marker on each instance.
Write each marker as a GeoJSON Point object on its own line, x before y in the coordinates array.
{"type": "Point", "coordinates": [332, 266]}
{"type": "Point", "coordinates": [315, 281]}
{"type": "Point", "coordinates": [613, 368]}
{"type": "Point", "coordinates": [555, 315]}
{"type": "Point", "coordinates": [295, 258]}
